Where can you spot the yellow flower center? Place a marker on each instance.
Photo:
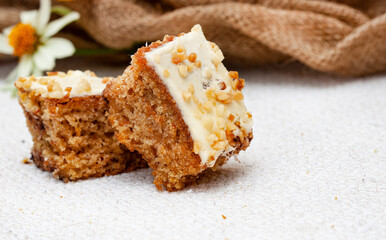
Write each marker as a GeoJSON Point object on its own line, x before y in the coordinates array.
{"type": "Point", "coordinates": [23, 39]}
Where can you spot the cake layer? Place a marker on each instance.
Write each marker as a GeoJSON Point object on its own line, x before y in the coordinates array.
{"type": "Point", "coordinates": [208, 96]}
{"type": "Point", "coordinates": [71, 135]}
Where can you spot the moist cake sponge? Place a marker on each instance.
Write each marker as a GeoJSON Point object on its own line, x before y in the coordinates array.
{"type": "Point", "coordinates": [65, 115]}
{"type": "Point", "coordinates": [179, 107]}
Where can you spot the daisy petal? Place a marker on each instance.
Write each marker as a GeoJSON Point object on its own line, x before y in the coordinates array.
{"type": "Point", "coordinates": [55, 26]}
{"type": "Point", "coordinates": [5, 48]}
{"type": "Point", "coordinates": [59, 47]}
{"type": "Point", "coordinates": [8, 30]}
{"type": "Point", "coordinates": [25, 66]}
{"type": "Point", "coordinates": [44, 59]}
{"type": "Point", "coordinates": [43, 15]}
{"type": "Point", "coordinates": [29, 17]}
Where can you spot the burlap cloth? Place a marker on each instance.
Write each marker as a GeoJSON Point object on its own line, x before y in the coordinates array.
{"type": "Point", "coordinates": [346, 37]}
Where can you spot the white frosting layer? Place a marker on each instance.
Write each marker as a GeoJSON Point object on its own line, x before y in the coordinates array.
{"type": "Point", "coordinates": [206, 117]}
{"type": "Point", "coordinates": [76, 83]}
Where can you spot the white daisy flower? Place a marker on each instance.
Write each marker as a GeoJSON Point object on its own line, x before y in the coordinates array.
{"type": "Point", "coordinates": [32, 42]}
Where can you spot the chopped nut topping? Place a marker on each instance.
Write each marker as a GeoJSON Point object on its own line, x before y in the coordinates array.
{"type": "Point", "coordinates": [157, 58]}
{"type": "Point", "coordinates": [105, 80]}
{"type": "Point", "coordinates": [217, 59]}
{"type": "Point", "coordinates": [210, 93]}
{"type": "Point", "coordinates": [221, 96]}
{"type": "Point", "coordinates": [50, 86]}
{"type": "Point", "coordinates": [212, 138]}
{"type": "Point", "coordinates": [183, 56]}
{"type": "Point", "coordinates": [221, 123]}
{"type": "Point", "coordinates": [197, 64]}
{"type": "Point", "coordinates": [190, 67]}
{"type": "Point", "coordinates": [196, 147]}
{"type": "Point", "coordinates": [191, 88]}
{"type": "Point", "coordinates": [186, 96]}
{"type": "Point", "coordinates": [222, 85]}
{"type": "Point", "coordinates": [220, 134]}
{"type": "Point", "coordinates": [238, 84]}
{"type": "Point", "coordinates": [208, 124]}
{"type": "Point", "coordinates": [43, 81]}
{"type": "Point", "coordinates": [23, 96]}
{"type": "Point", "coordinates": [249, 115]}
{"type": "Point", "coordinates": [39, 91]}
{"type": "Point", "coordinates": [57, 94]}
{"type": "Point", "coordinates": [220, 110]}
{"type": "Point", "coordinates": [31, 94]}
{"type": "Point", "coordinates": [56, 87]}
{"type": "Point", "coordinates": [83, 86]}
{"type": "Point", "coordinates": [241, 135]}
{"type": "Point", "coordinates": [233, 74]}
{"type": "Point", "coordinates": [166, 73]}
{"type": "Point", "coordinates": [238, 96]}
{"type": "Point", "coordinates": [224, 97]}
{"type": "Point", "coordinates": [214, 46]}
{"type": "Point", "coordinates": [176, 59]}
{"type": "Point", "coordinates": [52, 73]}
{"type": "Point", "coordinates": [197, 114]}
{"type": "Point", "coordinates": [181, 48]}
{"type": "Point", "coordinates": [195, 99]}
{"type": "Point", "coordinates": [90, 73]}
{"type": "Point", "coordinates": [192, 57]}
{"type": "Point", "coordinates": [200, 107]}
{"type": "Point", "coordinates": [208, 106]}
{"type": "Point", "coordinates": [61, 74]}
{"type": "Point", "coordinates": [234, 84]}
{"type": "Point", "coordinates": [241, 84]}
{"type": "Point", "coordinates": [27, 83]}
{"type": "Point", "coordinates": [219, 145]}
{"type": "Point", "coordinates": [208, 74]}
{"type": "Point", "coordinates": [183, 70]}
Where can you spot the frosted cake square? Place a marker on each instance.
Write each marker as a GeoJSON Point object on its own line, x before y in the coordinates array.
{"type": "Point", "coordinates": [66, 116]}
{"type": "Point", "coordinates": [180, 108]}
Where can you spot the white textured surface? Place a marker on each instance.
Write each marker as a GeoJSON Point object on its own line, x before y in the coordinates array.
{"type": "Point", "coordinates": [315, 170]}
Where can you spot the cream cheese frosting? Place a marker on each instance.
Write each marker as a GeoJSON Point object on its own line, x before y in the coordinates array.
{"type": "Point", "coordinates": [59, 84]}
{"type": "Point", "coordinates": [208, 96]}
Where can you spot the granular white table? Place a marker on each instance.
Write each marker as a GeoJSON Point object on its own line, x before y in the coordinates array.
{"type": "Point", "coordinates": [316, 169]}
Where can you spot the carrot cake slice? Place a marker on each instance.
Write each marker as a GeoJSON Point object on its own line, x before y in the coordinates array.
{"type": "Point", "coordinates": [180, 108]}
{"type": "Point", "coordinates": [66, 116]}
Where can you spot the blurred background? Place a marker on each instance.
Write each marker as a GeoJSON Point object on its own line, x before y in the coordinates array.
{"type": "Point", "coordinates": [343, 37]}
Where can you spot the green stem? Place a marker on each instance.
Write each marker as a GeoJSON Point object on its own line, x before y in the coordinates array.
{"type": "Point", "coordinates": [99, 51]}
{"type": "Point", "coordinates": [61, 10]}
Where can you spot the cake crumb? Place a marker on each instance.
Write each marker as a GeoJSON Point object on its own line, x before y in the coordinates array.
{"type": "Point", "coordinates": [26, 161]}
